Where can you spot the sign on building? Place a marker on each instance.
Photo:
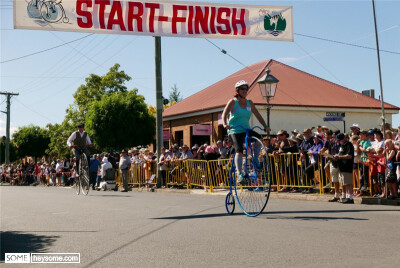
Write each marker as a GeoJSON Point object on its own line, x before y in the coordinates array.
{"type": "Point", "coordinates": [336, 114]}
{"type": "Point", "coordinates": [157, 18]}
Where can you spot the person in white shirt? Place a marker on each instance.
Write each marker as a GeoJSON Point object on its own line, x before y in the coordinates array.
{"type": "Point", "coordinates": [59, 169]}
{"type": "Point", "coordinates": [124, 165]}
{"type": "Point", "coordinates": [79, 140]}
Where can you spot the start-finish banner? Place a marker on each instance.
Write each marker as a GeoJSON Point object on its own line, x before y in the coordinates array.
{"type": "Point", "coordinates": [156, 18]}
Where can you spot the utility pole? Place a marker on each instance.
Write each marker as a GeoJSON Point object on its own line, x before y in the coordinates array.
{"type": "Point", "coordinates": [159, 105]}
{"type": "Point", "coordinates": [7, 149]}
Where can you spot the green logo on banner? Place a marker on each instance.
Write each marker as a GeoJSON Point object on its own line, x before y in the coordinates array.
{"type": "Point", "coordinates": [274, 23]}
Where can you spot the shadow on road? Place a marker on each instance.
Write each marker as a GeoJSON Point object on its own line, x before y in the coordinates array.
{"type": "Point", "coordinates": [200, 216]}
{"type": "Point", "coordinates": [305, 218]}
{"type": "Point", "coordinates": [18, 242]}
{"type": "Point", "coordinates": [113, 195]}
{"type": "Point", "coordinates": [266, 215]}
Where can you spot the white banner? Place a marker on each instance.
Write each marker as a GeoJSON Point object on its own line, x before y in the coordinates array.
{"type": "Point", "coordinates": [156, 18]}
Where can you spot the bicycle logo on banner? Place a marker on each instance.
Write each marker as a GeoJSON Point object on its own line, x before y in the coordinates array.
{"type": "Point", "coordinates": [51, 11]}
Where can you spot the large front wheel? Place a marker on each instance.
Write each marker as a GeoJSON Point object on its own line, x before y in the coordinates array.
{"type": "Point", "coordinates": [84, 174]}
{"type": "Point", "coordinates": [252, 193]}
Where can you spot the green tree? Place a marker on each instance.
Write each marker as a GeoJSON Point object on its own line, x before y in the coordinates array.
{"type": "Point", "coordinates": [31, 141]}
{"type": "Point", "coordinates": [174, 95]}
{"type": "Point", "coordinates": [13, 152]}
{"type": "Point", "coordinates": [120, 120]}
{"type": "Point", "coordinates": [59, 134]}
{"type": "Point", "coordinates": [93, 90]}
{"type": "Point", "coordinates": [96, 86]}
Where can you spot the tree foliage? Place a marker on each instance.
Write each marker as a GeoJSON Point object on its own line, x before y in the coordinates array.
{"type": "Point", "coordinates": [96, 86]}
{"type": "Point", "coordinates": [120, 120]}
{"type": "Point", "coordinates": [59, 134]}
{"type": "Point", "coordinates": [174, 94]}
{"type": "Point", "coordinates": [13, 152]}
{"type": "Point", "coordinates": [31, 141]}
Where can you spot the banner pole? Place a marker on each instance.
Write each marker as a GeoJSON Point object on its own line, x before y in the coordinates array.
{"type": "Point", "coordinates": [159, 105]}
{"type": "Point", "coordinates": [380, 84]}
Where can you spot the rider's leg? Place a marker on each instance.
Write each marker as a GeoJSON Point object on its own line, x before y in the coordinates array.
{"type": "Point", "coordinates": [77, 157]}
{"type": "Point", "coordinates": [239, 163]}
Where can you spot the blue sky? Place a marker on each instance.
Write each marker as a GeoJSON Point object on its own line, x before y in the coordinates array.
{"type": "Point", "coordinates": [46, 81]}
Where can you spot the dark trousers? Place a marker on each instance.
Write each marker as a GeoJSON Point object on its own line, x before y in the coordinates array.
{"type": "Point", "coordinates": [124, 178]}
{"type": "Point", "coordinates": [364, 177]}
{"type": "Point", "coordinates": [163, 177]}
{"type": "Point", "coordinates": [92, 177]}
{"type": "Point", "coordinates": [308, 175]}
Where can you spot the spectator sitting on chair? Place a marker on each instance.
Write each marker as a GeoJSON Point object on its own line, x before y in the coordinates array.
{"type": "Point", "coordinates": [103, 172]}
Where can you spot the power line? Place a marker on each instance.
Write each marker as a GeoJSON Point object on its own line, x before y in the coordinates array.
{"type": "Point", "coordinates": [38, 52]}
{"type": "Point", "coordinates": [347, 44]}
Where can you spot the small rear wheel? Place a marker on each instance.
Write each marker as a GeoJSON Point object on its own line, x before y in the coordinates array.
{"type": "Point", "coordinates": [230, 203]}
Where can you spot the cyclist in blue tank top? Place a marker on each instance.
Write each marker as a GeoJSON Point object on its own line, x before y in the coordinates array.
{"type": "Point", "coordinates": [237, 112]}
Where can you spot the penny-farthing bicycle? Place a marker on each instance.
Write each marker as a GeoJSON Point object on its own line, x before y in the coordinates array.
{"type": "Point", "coordinates": [252, 193]}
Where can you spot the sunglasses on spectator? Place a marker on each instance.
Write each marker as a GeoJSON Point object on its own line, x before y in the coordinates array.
{"type": "Point", "coordinates": [244, 88]}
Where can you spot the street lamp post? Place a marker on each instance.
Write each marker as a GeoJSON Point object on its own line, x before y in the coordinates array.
{"type": "Point", "coordinates": [268, 85]}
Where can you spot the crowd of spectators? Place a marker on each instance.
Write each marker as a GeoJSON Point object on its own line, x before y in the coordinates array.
{"type": "Point", "coordinates": [52, 173]}
{"type": "Point", "coordinates": [370, 146]}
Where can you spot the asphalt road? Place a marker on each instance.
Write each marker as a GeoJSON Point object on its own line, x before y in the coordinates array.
{"type": "Point", "coordinates": [143, 229]}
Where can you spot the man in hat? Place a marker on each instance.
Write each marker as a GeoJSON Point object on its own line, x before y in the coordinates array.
{"type": "Point", "coordinates": [355, 129]}
{"type": "Point", "coordinates": [78, 141]}
{"type": "Point", "coordinates": [331, 168]}
{"type": "Point", "coordinates": [163, 165]}
{"type": "Point", "coordinates": [124, 166]}
{"type": "Point", "coordinates": [312, 165]}
{"type": "Point", "coordinates": [185, 155]}
{"type": "Point", "coordinates": [295, 132]}
{"type": "Point", "coordinates": [284, 147]}
{"type": "Point", "coordinates": [306, 144]}
{"type": "Point", "coordinates": [345, 160]}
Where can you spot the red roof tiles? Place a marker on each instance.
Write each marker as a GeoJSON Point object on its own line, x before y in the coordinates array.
{"type": "Point", "coordinates": [295, 88]}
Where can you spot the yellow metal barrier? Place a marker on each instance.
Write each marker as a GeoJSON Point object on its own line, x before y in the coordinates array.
{"type": "Point", "coordinates": [176, 174]}
{"type": "Point", "coordinates": [198, 173]}
{"type": "Point", "coordinates": [284, 170]}
{"type": "Point", "coordinates": [219, 173]}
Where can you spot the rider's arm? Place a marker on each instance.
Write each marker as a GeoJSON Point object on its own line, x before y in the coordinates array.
{"type": "Point", "coordinates": [70, 139]}
{"type": "Point", "coordinates": [228, 108]}
{"type": "Point", "coordinates": [88, 142]}
{"type": "Point", "coordinates": [258, 115]}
